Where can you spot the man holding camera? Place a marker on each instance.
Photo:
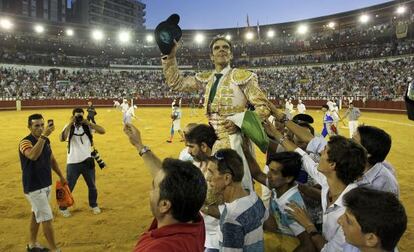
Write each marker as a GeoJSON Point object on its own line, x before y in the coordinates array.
{"type": "Point", "coordinates": [79, 159]}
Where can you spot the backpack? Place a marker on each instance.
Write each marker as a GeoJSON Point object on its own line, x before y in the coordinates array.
{"type": "Point", "coordinates": [86, 131]}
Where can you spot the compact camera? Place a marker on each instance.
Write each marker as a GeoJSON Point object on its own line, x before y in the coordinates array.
{"type": "Point", "coordinates": [78, 119]}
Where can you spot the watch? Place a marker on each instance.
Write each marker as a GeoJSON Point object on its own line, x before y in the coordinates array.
{"type": "Point", "coordinates": [144, 150]}
{"type": "Point", "coordinates": [281, 140]}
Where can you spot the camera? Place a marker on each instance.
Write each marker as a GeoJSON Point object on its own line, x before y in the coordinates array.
{"type": "Point", "coordinates": [98, 159]}
{"type": "Point", "coordinates": [78, 119]}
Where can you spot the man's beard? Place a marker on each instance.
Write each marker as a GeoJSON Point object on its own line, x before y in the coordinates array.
{"type": "Point", "coordinates": [200, 157]}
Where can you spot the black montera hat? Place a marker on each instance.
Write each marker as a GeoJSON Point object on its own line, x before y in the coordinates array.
{"type": "Point", "coordinates": [302, 118]}
{"type": "Point", "coordinates": [166, 32]}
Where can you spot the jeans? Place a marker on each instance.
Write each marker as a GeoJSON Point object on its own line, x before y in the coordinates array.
{"type": "Point", "coordinates": [87, 170]}
{"type": "Point", "coordinates": [91, 118]}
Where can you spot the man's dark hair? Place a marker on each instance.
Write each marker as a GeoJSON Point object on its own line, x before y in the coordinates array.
{"type": "Point", "coordinates": [349, 157]}
{"type": "Point", "coordinates": [376, 141]}
{"type": "Point", "coordinates": [202, 133]}
{"type": "Point", "coordinates": [185, 187]}
{"type": "Point", "coordinates": [77, 110]}
{"type": "Point", "coordinates": [217, 38]}
{"type": "Point", "coordinates": [228, 161]}
{"type": "Point", "coordinates": [291, 163]}
{"type": "Point", "coordinates": [325, 106]}
{"type": "Point", "coordinates": [378, 212]}
{"type": "Point", "coordinates": [33, 117]}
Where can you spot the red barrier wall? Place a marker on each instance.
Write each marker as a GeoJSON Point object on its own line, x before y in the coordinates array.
{"type": "Point", "coordinates": [377, 106]}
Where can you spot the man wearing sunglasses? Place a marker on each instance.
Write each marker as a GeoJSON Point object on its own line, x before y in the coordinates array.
{"type": "Point", "coordinates": [242, 212]}
{"type": "Point", "coordinates": [37, 163]}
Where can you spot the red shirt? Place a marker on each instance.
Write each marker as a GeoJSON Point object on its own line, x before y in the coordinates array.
{"type": "Point", "coordinates": [181, 237]}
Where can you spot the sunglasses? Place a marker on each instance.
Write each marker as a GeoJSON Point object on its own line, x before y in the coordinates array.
{"type": "Point", "coordinates": [219, 156]}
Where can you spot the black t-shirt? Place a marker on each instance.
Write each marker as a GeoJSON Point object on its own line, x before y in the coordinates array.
{"type": "Point", "coordinates": [36, 174]}
{"type": "Point", "coordinates": [91, 111]}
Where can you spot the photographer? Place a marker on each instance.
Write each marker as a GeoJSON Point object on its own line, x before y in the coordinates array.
{"type": "Point", "coordinates": [79, 160]}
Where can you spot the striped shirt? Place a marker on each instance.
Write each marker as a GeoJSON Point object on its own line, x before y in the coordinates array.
{"type": "Point", "coordinates": [241, 224]}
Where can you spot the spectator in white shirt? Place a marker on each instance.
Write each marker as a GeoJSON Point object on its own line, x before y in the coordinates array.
{"type": "Point", "coordinates": [199, 141]}
{"type": "Point", "coordinates": [284, 169]}
{"type": "Point", "coordinates": [377, 176]}
{"type": "Point", "coordinates": [373, 220]}
{"type": "Point", "coordinates": [184, 154]}
{"type": "Point", "coordinates": [341, 163]}
{"type": "Point", "coordinates": [301, 107]}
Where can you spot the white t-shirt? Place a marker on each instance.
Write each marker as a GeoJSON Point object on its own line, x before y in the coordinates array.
{"type": "Point", "coordinates": [80, 146]}
{"type": "Point", "coordinates": [185, 156]}
{"type": "Point", "coordinates": [330, 105]}
{"type": "Point", "coordinates": [124, 107]}
{"type": "Point", "coordinates": [301, 108]}
{"type": "Point", "coordinates": [130, 111]}
{"type": "Point", "coordinates": [285, 224]}
{"type": "Point", "coordinates": [331, 230]}
{"type": "Point", "coordinates": [211, 224]}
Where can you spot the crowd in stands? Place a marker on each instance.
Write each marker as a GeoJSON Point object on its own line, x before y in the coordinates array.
{"type": "Point", "coordinates": [80, 84]}
{"type": "Point", "coordinates": [376, 80]}
{"type": "Point", "coordinates": [286, 48]}
{"type": "Point", "coordinates": [102, 58]}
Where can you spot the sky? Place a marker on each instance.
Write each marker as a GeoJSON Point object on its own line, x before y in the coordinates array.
{"type": "Point", "coordinates": [213, 14]}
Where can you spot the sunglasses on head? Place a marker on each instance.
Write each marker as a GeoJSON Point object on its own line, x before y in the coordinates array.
{"type": "Point", "coordinates": [219, 156]}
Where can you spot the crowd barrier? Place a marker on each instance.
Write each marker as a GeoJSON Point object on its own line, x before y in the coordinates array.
{"type": "Point", "coordinates": [376, 106]}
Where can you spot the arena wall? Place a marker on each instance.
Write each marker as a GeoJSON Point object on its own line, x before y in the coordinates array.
{"type": "Point", "coordinates": [375, 106]}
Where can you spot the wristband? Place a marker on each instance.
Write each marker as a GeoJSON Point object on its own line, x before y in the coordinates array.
{"type": "Point", "coordinates": [144, 150]}
{"type": "Point", "coordinates": [43, 137]}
